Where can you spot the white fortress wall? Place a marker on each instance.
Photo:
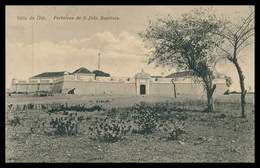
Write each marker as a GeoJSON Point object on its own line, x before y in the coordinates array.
{"type": "Point", "coordinates": [34, 85]}
{"type": "Point", "coordinates": [86, 84]}
{"type": "Point", "coordinates": [95, 87]}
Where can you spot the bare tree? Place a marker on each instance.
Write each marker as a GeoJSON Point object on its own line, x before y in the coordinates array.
{"type": "Point", "coordinates": [174, 88]}
{"type": "Point", "coordinates": [186, 44]}
{"type": "Point", "coordinates": [237, 36]}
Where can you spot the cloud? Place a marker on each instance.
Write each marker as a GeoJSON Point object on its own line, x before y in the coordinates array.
{"type": "Point", "coordinates": [106, 36]}
{"type": "Point", "coordinates": [119, 54]}
{"type": "Point", "coordinates": [124, 43]}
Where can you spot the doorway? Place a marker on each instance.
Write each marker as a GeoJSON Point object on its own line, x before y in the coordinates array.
{"type": "Point", "coordinates": [142, 89]}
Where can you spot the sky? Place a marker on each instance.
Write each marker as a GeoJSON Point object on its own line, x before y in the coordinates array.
{"type": "Point", "coordinates": [36, 46]}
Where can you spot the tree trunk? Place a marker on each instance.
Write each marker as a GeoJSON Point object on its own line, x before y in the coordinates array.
{"type": "Point", "coordinates": [242, 87]}
{"type": "Point", "coordinates": [210, 101]}
{"type": "Point", "coordinates": [174, 88]}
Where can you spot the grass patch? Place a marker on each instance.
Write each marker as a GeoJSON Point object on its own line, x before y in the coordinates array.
{"type": "Point", "coordinates": [167, 131]}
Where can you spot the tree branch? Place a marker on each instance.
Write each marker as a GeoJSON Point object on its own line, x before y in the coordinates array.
{"type": "Point", "coordinates": [228, 56]}
{"type": "Point", "coordinates": [245, 22]}
{"type": "Point", "coordinates": [245, 38]}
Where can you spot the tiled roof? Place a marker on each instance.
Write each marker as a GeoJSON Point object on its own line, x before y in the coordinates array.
{"type": "Point", "coordinates": [82, 70]}
{"type": "Point", "coordinates": [156, 77]}
{"type": "Point", "coordinates": [49, 74]}
{"type": "Point", "coordinates": [179, 74]}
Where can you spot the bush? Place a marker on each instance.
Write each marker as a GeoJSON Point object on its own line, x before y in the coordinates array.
{"type": "Point", "coordinates": [177, 130]}
{"type": "Point", "coordinates": [65, 125]}
{"type": "Point", "coordinates": [182, 116]}
{"type": "Point", "coordinates": [146, 117]}
{"type": "Point", "coordinates": [93, 108]}
{"type": "Point", "coordinates": [109, 130]}
{"type": "Point", "coordinates": [88, 118]}
{"type": "Point", "coordinates": [112, 113]}
{"type": "Point", "coordinates": [174, 129]}
{"type": "Point", "coordinates": [124, 115]}
{"type": "Point", "coordinates": [14, 122]}
{"type": "Point", "coordinates": [78, 108]}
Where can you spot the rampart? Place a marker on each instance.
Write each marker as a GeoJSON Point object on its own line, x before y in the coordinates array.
{"type": "Point", "coordinates": [37, 85]}
{"type": "Point", "coordinates": [114, 86]}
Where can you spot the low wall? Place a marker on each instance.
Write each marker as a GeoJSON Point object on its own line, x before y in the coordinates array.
{"type": "Point", "coordinates": [184, 88]}
{"type": "Point", "coordinates": [181, 88]}
{"type": "Point", "coordinates": [57, 87]}
{"type": "Point", "coordinates": [94, 87]}
{"type": "Point", "coordinates": [161, 88]}
{"type": "Point", "coordinates": [34, 87]}
{"type": "Point", "coordinates": [22, 87]}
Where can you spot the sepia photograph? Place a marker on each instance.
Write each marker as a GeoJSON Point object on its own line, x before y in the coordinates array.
{"type": "Point", "coordinates": [130, 84]}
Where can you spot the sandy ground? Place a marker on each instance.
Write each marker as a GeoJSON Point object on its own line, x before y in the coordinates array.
{"type": "Point", "coordinates": [117, 100]}
{"type": "Point", "coordinates": [229, 139]}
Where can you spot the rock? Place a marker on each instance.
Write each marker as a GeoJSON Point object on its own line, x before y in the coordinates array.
{"type": "Point", "coordinates": [163, 139]}
{"type": "Point", "coordinates": [210, 139]}
{"type": "Point", "coordinates": [233, 141]}
{"type": "Point", "coordinates": [198, 142]}
{"type": "Point", "coordinates": [222, 116]}
{"type": "Point", "coordinates": [181, 143]}
{"type": "Point", "coordinates": [233, 150]}
{"type": "Point", "coordinates": [199, 138]}
{"type": "Point", "coordinates": [202, 138]}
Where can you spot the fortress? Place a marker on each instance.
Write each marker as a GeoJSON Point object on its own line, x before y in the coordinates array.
{"type": "Point", "coordinates": [98, 82]}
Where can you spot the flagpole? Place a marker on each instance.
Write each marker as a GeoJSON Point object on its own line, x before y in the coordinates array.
{"type": "Point", "coordinates": [99, 61]}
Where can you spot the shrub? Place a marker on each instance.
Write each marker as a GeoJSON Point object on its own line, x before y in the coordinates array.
{"type": "Point", "coordinates": [93, 108]}
{"type": "Point", "coordinates": [174, 129]}
{"type": "Point", "coordinates": [182, 116]}
{"type": "Point", "coordinates": [109, 130]}
{"type": "Point", "coordinates": [112, 113]}
{"type": "Point", "coordinates": [164, 107]}
{"type": "Point", "coordinates": [78, 108]}
{"type": "Point", "coordinates": [65, 125]}
{"type": "Point", "coordinates": [37, 122]}
{"type": "Point", "coordinates": [88, 118]}
{"type": "Point", "coordinates": [124, 115]}
{"type": "Point", "coordinates": [181, 109]}
{"type": "Point", "coordinates": [146, 117]}
{"type": "Point", "coordinates": [14, 122]}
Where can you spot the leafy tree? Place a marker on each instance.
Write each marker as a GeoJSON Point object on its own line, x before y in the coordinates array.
{"type": "Point", "coordinates": [186, 43]}
{"type": "Point", "coordinates": [101, 73]}
{"type": "Point", "coordinates": [237, 34]}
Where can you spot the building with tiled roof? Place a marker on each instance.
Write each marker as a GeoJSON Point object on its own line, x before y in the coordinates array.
{"type": "Point", "coordinates": [82, 70]}
{"type": "Point", "coordinates": [179, 74]}
{"type": "Point", "coordinates": [49, 75]}
{"type": "Point", "coordinates": [83, 81]}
